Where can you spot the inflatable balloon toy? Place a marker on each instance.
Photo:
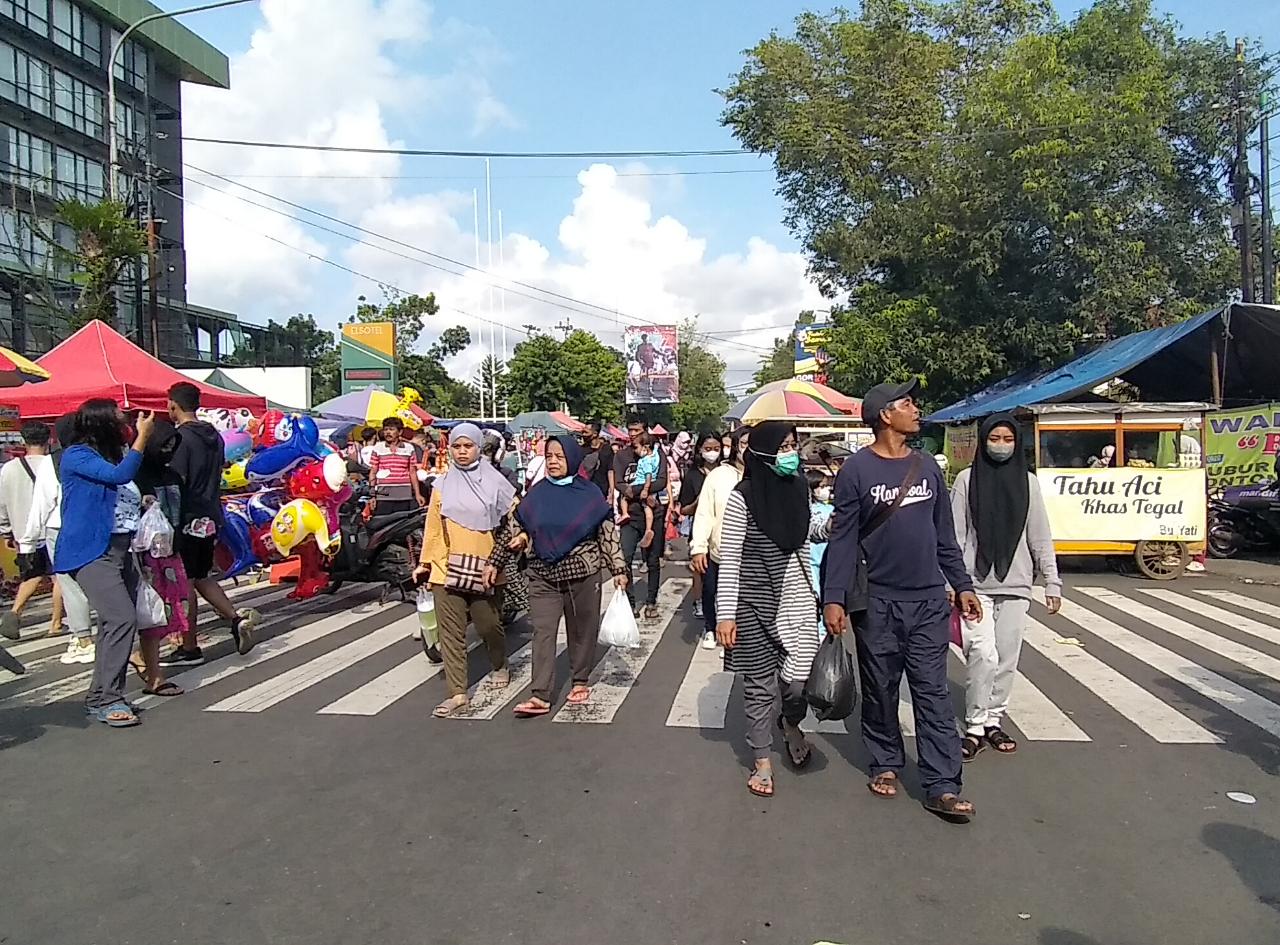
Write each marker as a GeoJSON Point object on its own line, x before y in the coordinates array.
{"type": "Point", "coordinates": [296, 522]}
{"type": "Point", "coordinates": [404, 408]}
{"type": "Point", "coordinates": [302, 444]}
{"type": "Point", "coordinates": [264, 505]}
{"type": "Point", "coordinates": [236, 541]}
{"type": "Point", "coordinates": [234, 479]}
{"type": "Point", "coordinates": [236, 445]}
{"type": "Point", "coordinates": [273, 427]}
{"type": "Point", "coordinates": [312, 577]}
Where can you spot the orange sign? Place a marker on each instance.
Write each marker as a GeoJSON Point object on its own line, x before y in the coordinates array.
{"type": "Point", "coordinates": [380, 336]}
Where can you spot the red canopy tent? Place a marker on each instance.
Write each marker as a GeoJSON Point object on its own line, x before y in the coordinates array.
{"type": "Point", "coordinates": [98, 361]}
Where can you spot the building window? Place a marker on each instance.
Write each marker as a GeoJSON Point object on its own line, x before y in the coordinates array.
{"type": "Point", "coordinates": [29, 160]}
{"type": "Point", "coordinates": [23, 80]}
{"type": "Point", "coordinates": [77, 105]}
{"type": "Point", "coordinates": [79, 177]}
{"type": "Point", "coordinates": [33, 14]}
{"type": "Point", "coordinates": [133, 63]}
{"type": "Point", "coordinates": [131, 124]}
{"type": "Point", "coordinates": [77, 32]}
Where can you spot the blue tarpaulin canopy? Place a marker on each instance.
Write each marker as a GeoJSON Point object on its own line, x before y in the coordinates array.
{"type": "Point", "coordinates": [1173, 363]}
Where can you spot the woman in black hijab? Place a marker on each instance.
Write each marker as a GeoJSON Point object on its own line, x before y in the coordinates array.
{"type": "Point", "coordinates": [765, 598]}
{"type": "Point", "coordinates": [1003, 530]}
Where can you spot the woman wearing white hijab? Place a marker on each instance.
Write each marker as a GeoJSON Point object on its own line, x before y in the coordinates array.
{"type": "Point", "coordinates": [468, 515]}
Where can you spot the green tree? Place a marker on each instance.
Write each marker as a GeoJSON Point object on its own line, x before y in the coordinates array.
{"type": "Point", "coordinates": [703, 399]}
{"type": "Point", "coordinates": [991, 186]}
{"type": "Point", "coordinates": [579, 372]}
{"type": "Point", "coordinates": [779, 364]}
{"type": "Point", "coordinates": [444, 395]}
{"type": "Point", "coordinates": [490, 377]}
{"type": "Point", "coordinates": [407, 312]}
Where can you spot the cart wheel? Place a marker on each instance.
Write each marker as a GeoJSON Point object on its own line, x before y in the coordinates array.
{"type": "Point", "coordinates": [1162, 560]}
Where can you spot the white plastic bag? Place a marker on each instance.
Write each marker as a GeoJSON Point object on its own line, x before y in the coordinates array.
{"type": "Point", "coordinates": [149, 605]}
{"type": "Point", "coordinates": [154, 535]}
{"type": "Point", "coordinates": [618, 626]}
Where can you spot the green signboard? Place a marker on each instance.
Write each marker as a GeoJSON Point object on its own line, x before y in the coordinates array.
{"type": "Point", "coordinates": [1241, 445]}
{"type": "Point", "coordinates": [368, 356]}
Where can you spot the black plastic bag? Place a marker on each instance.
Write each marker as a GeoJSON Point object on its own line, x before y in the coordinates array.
{"type": "Point", "coordinates": [831, 689]}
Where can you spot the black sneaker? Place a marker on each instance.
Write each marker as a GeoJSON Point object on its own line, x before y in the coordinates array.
{"type": "Point", "coordinates": [182, 657]}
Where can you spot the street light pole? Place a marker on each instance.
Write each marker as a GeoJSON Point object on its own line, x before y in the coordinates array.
{"type": "Point", "coordinates": [113, 149]}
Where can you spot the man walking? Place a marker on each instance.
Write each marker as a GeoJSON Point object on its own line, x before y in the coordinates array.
{"type": "Point", "coordinates": [17, 486]}
{"type": "Point", "coordinates": [891, 508]}
{"type": "Point", "coordinates": [633, 530]}
{"type": "Point", "coordinates": [198, 461]}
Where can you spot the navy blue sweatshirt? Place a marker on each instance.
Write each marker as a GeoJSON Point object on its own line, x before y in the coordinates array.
{"type": "Point", "coordinates": [910, 553]}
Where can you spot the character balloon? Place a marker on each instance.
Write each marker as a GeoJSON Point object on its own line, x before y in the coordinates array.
{"type": "Point", "coordinates": [299, 520]}
{"type": "Point", "coordinates": [303, 443]}
{"type": "Point", "coordinates": [236, 445]}
{"type": "Point", "coordinates": [236, 540]}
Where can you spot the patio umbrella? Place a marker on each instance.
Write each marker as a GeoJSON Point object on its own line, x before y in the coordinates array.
{"type": "Point", "coordinates": [780, 405]}
{"type": "Point", "coordinates": [842, 402]}
{"type": "Point", "coordinates": [370, 406]}
{"type": "Point", "coordinates": [15, 370]}
{"type": "Point", "coordinates": [552, 421]}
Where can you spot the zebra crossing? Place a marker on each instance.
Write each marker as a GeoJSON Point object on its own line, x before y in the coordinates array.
{"type": "Point", "coordinates": [1198, 648]}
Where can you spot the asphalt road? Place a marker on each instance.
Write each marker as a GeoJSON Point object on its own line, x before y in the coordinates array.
{"type": "Point", "coordinates": [303, 795]}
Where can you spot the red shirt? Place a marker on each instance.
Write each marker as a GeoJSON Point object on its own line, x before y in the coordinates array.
{"type": "Point", "coordinates": [392, 467]}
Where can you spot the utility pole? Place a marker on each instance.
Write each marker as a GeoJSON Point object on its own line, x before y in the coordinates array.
{"type": "Point", "coordinates": [529, 329]}
{"type": "Point", "coordinates": [1268, 257]}
{"type": "Point", "coordinates": [1240, 182]}
{"type": "Point", "coordinates": [153, 260]}
{"type": "Point", "coordinates": [565, 327]}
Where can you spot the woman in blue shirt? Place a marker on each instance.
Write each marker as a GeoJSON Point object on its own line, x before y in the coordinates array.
{"type": "Point", "coordinates": [100, 511]}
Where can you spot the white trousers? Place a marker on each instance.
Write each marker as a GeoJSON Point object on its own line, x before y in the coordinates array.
{"type": "Point", "coordinates": [991, 649]}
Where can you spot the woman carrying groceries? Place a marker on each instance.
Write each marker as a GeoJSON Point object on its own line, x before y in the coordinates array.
{"type": "Point", "coordinates": [567, 527]}
{"type": "Point", "coordinates": [467, 515]}
{"type": "Point", "coordinates": [765, 597]}
{"type": "Point", "coordinates": [1003, 530]}
{"type": "Point", "coordinates": [705, 458]}
{"type": "Point", "coordinates": [704, 546]}
{"type": "Point", "coordinates": [100, 511]}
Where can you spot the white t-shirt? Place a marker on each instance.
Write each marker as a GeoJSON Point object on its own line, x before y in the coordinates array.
{"type": "Point", "coordinates": [128, 509]}
{"type": "Point", "coordinates": [536, 471]}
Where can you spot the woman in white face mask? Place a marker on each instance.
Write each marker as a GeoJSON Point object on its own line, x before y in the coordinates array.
{"type": "Point", "coordinates": [1003, 530]}
{"type": "Point", "coordinates": [704, 545]}
{"type": "Point", "coordinates": [704, 457]}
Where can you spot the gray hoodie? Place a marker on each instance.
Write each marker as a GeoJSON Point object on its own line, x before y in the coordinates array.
{"type": "Point", "coordinates": [1034, 558]}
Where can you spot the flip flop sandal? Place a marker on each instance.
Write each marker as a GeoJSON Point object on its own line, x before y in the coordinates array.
{"type": "Point", "coordinates": [651, 612]}
{"type": "Point", "coordinates": [884, 778]}
{"type": "Point", "coordinates": [125, 717]}
{"type": "Point", "coordinates": [530, 710]}
{"type": "Point", "coordinates": [1000, 741]}
{"type": "Point", "coordinates": [579, 695]}
{"type": "Point", "coordinates": [165, 689]}
{"type": "Point", "coordinates": [804, 759]}
{"type": "Point", "coordinates": [141, 673]}
{"type": "Point", "coordinates": [971, 746]}
{"type": "Point", "coordinates": [759, 779]}
{"type": "Point", "coordinates": [449, 707]}
{"type": "Point", "coordinates": [945, 806]}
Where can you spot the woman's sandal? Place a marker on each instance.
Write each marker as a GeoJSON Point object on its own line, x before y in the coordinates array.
{"type": "Point", "coordinates": [165, 689]}
{"type": "Point", "coordinates": [804, 756]}
{"type": "Point", "coordinates": [500, 678]}
{"type": "Point", "coordinates": [951, 807]}
{"type": "Point", "coordinates": [117, 715]}
{"type": "Point", "coordinates": [971, 746]}
{"type": "Point", "coordinates": [884, 785]}
{"type": "Point", "coordinates": [579, 695]}
{"type": "Point", "coordinates": [650, 611]}
{"type": "Point", "coordinates": [531, 709]}
{"type": "Point", "coordinates": [450, 706]}
{"type": "Point", "coordinates": [1000, 741]}
{"type": "Point", "coordinates": [761, 782]}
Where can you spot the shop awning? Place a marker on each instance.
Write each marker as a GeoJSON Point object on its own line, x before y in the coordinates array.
{"type": "Point", "coordinates": [1173, 363]}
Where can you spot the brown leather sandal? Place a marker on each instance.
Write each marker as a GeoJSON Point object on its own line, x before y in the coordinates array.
{"type": "Point", "coordinates": [885, 779]}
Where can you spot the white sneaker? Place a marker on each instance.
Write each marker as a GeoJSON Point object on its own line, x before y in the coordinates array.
{"type": "Point", "coordinates": [697, 608]}
{"type": "Point", "coordinates": [79, 650]}
{"type": "Point", "coordinates": [709, 641]}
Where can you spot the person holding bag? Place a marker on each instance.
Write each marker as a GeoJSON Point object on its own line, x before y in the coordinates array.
{"type": "Point", "coordinates": [17, 489]}
{"type": "Point", "coordinates": [567, 528]}
{"type": "Point", "coordinates": [468, 515]}
{"type": "Point", "coordinates": [893, 534]}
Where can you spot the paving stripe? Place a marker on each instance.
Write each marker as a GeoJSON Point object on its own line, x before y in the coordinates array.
{"type": "Point", "coordinates": [612, 679]}
{"type": "Point", "coordinates": [1034, 713]}
{"type": "Point", "coordinates": [200, 676]}
{"type": "Point", "coordinates": [390, 687]}
{"type": "Point", "coordinates": [1244, 624]}
{"type": "Point", "coordinates": [1140, 707]}
{"type": "Point", "coordinates": [1246, 656]}
{"type": "Point", "coordinates": [1234, 698]}
{"type": "Point", "coordinates": [275, 690]}
{"type": "Point", "coordinates": [702, 701]}
{"type": "Point", "coordinates": [1247, 603]}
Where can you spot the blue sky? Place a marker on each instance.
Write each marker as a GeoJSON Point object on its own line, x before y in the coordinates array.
{"type": "Point", "coordinates": [508, 75]}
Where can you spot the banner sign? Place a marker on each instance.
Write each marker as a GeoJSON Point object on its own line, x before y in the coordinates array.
{"type": "Point", "coordinates": [811, 352]}
{"type": "Point", "coordinates": [1240, 445]}
{"type": "Point", "coordinates": [1125, 504]}
{"type": "Point", "coordinates": [10, 419]}
{"type": "Point", "coordinates": [368, 352]}
{"type": "Point", "coordinates": [653, 367]}
{"type": "Point", "coordinates": [960, 446]}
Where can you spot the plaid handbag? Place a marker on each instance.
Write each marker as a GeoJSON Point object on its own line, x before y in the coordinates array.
{"type": "Point", "coordinates": [465, 574]}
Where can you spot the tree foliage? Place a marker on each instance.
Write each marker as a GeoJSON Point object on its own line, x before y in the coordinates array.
{"type": "Point", "coordinates": [703, 399]}
{"type": "Point", "coordinates": [580, 372]}
{"type": "Point", "coordinates": [991, 186]}
{"type": "Point", "coordinates": [407, 312]}
{"type": "Point", "coordinates": [425, 373]}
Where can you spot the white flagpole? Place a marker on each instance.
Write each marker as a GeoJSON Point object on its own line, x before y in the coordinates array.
{"type": "Point", "coordinates": [502, 295]}
{"type": "Point", "coordinates": [475, 215]}
{"type": "Point", "coordinates": [488, 212]}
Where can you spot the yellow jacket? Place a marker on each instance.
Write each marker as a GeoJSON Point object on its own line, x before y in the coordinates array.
{"type": "Point", "coordinates": [443, 537]}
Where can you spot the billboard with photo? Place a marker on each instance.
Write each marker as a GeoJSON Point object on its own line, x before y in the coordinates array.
{"type": "Point", "coordinates": [811, 352]}
{"type": "Point", "coordinates": [653, 370]}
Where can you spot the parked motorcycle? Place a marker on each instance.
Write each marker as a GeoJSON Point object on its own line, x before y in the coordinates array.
{"type": "Point", "coordinates": [378, 548]}
{"type": "Point", "coordinates": [1244, 518]}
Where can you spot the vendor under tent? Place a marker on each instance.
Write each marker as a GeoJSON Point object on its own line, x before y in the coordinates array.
{"type": "Point", "coordinates": [97, 361]}
{"type": "Point", "coordinates": [552, 422]}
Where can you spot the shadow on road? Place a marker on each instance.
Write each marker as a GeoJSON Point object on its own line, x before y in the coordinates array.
{"type": "Point", "coordinates": [19, 726]}
{"type": "Point", "coordinates": [1056, 936]}
{"type": "Point", "coordinates": [1254, 855]}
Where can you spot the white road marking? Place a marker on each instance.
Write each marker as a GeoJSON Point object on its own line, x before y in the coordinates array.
{"type": "Point", "coordinates": [1239, 622]}
{"type": "Point", "coordinates": [1144, 710]}
{"type": "Point", "coordinates": [1247, 603]}
{"type": "Point", "coordinates": [702, 701]}
{"type": "Point", "coordinates": [390, 687]}
{"type": "Point", "coordinates": [1034, 713]}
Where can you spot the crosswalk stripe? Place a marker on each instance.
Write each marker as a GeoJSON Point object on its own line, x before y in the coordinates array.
{"type": "Point", "coordinates": [1034, 713]}
{"type": "Point", "coordinates": [618, 670]}
{"type": "Point", "coordinates": [390, 687]}
{"type": "Point", "coordinates": [702, 701]}
{"type": "Point", "coordinates": [1247, 603]}
{"type": "Point", "coordinates": [1239, 622]}
{"type": "Point", "coordinates": [1246, 656]}
{"type": "Point", "coordinates": [200, 676]}
{"type": "Point", "coordinates": [1154, 717]}
{"type": "Point", "coordinates": [275, 690]}
{"type": "Point", "coordinates": [1235, 698]}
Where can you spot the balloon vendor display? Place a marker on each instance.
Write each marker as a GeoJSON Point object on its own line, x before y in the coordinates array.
{"type": "Point", "coordinates": [284, 488]}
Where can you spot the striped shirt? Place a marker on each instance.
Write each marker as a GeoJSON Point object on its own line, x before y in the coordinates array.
{"type": "Point", "coordinates": [392, 467]}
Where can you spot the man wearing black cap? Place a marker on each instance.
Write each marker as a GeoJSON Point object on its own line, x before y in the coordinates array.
{"type": "Point", "coordinates": [892, 544]}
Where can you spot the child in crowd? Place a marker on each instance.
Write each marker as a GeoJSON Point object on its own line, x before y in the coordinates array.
{"type": "Point", "coordinates": [647, 461]}
{"type": "Point", "coordinates": [820, 509]}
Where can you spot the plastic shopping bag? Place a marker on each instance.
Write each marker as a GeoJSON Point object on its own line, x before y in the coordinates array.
{"type": "Point", "coordinates": [155, 534]}
{"type": "Point", "coordinates": [618, 626]}
{"type": "Point", "coordinates": [831, 689]}
{"type": "Point", "coordinates": [149, 606]}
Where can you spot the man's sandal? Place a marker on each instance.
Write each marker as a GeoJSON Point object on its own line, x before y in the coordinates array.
{"type": "Point", "coordinates": [951, 807]}
{"type": "Point", "coordinates": [971, 746]}
{"type": "Point", "coordinates": [884, 785]}
{"type": "Point", "coordinates": [761, 782]}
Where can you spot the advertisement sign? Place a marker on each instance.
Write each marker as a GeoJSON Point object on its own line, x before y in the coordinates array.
{"type": "Point", "coordinates": [368, 352]}
{"type": "Point", "coordinates": [811, 352]}
{"type": "Point", "coordinates": [960, 446]}
{"type": "Point", "coordinates": [1240, 445]}
{"type": "Point", "coordinates": [10, 420]}
{"type": "Point", "coordinates": [653, 368]}
{"type": "Point", "coordinates": [1126, 504]}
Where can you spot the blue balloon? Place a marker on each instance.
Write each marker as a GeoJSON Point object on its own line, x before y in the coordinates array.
{"type": "Point", "coordinates": [235, 536]}
{"type": "Point", "coordinates": [275, 461]}
{"type": "Point", "coordinates": [264, 505]}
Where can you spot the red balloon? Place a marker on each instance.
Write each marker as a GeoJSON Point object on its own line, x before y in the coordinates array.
{"type": "Point", "coordinates": [307, 482]}
{"type": "Point", "coordinates": [263, 546]}
{"type": "Point", "coordinates": [266, 433]}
